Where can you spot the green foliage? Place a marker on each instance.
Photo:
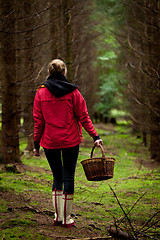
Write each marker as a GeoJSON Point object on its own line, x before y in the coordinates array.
{"type": "Point", "coordinates": [113, 9]}
{"type": "Point", "coordinates": [110, 94]}
{"type": "Point", "coordinates": [118, 114]}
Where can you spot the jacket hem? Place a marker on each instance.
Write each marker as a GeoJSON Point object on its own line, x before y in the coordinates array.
{"type": "Point", "coordinates": [61, 146]}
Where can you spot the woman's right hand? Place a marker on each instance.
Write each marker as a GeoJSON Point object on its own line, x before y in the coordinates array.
{"type": "Point", "coordinates": [36, 152]}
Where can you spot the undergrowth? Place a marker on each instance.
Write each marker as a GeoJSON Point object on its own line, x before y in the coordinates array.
{"type": "Point", "coordinates": [134, 185]}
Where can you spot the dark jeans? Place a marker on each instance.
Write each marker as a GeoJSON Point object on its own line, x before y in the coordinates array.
{"type": "Point", "coordinates": [63, 164]}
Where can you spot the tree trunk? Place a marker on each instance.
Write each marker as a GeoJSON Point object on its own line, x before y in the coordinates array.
{"type": "Point", "coordinates": [68, 29]}
{"type": "Point", "coordinates": [10, 116]}
{"type": "Point", "coordinates": [155, 145]}
{"type": "Point", "coordinates": [28, 85]}
{"type": "Point", "coordinates": [154, 61]}
{"type": "Point", "coordinates": [58, 30]}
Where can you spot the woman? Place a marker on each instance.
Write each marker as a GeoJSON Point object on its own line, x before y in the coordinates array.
{"type": "Point", "coordinates": [59, 111]}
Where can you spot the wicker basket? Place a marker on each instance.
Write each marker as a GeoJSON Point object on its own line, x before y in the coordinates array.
{"type": "Point", "coordinates": [98, 169]}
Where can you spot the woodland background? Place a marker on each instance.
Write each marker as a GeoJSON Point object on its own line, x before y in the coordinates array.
{"type": "Point", "coordinates": [111, 49]}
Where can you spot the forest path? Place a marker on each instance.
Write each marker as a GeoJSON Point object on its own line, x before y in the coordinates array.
{"type": "Point", "coordinates": [26, 210]}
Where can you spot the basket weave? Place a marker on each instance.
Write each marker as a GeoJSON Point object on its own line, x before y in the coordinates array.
{"type": "Point", "coordinates": [98, 169]}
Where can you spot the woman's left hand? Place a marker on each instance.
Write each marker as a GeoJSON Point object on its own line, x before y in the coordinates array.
{"type": "Point", "coordinates": [98, 142]}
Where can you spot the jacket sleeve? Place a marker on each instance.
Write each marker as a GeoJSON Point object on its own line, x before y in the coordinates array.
{"type": "Point", "coordinates": [38, 120]}
{"type": "Point", "coordinates": [81, 112]}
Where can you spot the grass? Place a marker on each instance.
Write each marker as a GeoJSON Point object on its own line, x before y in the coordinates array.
{"type": "Point", "coordinates": [94, 201]}
{"type": "Point", "coordinates": [20, 232]}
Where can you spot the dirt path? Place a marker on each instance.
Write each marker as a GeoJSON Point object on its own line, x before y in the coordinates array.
{"type": "Point", "coordinates": [20, 211]}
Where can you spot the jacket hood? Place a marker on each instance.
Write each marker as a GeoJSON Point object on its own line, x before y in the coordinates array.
{"type": "Point", "coordinates": [58, 85]}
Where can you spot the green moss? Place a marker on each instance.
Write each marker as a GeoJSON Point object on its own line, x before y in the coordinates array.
{"type": "Point", "coordinates": [20, 232]}
{"type": "Point", "coordinates": [17, 222]}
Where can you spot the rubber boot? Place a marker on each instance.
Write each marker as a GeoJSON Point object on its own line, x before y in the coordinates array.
{"type": "Point", "coordinates": [57, 204]}
{"type": "Point", "coordinates": [67, 201]}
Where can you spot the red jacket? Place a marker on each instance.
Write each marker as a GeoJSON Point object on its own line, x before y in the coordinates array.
{"type": "Point", "coordinates": [58, 120]}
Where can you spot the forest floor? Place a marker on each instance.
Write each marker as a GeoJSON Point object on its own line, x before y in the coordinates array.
{"type": "Point", "coordinates": [26, 210]}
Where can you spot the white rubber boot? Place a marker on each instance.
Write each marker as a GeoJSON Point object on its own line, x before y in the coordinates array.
{"type": "Point", "coordinates": [57, 204]}
{"type": "Point", "coordinates": [67, 200]}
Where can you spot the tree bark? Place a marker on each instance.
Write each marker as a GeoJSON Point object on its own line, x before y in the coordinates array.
{"type": "Point", "coordinates": [155, 145]}
{"type": "Point", "coordinates": [28, 85]}
{"type": "Point", "coordinates": [68, 22]}
{"type": "Point", "coordinates": [10, 116]}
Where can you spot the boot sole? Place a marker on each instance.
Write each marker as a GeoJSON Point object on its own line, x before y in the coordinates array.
{"type": "Point", "coordinates": [56, 223]}
{"type": "Point", "coordinates": [68, 225]}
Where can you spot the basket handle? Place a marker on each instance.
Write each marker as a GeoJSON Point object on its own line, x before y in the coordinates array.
{"type": "Point", "coordinates": [103, 155]}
